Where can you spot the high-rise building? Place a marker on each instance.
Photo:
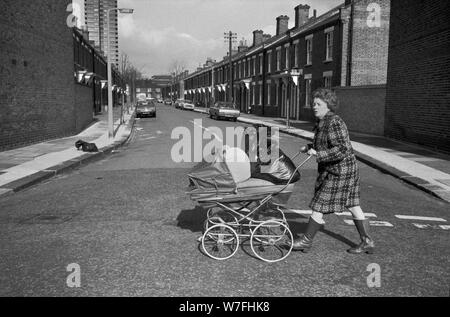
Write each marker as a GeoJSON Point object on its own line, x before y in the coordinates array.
{"type": "Point", "coordinates": [96, 22]}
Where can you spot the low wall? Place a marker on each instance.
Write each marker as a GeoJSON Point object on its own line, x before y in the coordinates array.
{"type": "Point", "coordinates": [363, 108]}
{"type": "Point", "coordinates": [84, 107]}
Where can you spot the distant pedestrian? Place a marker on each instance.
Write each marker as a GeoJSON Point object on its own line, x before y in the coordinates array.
{"type": "Point", "coordinates": [338, 185]}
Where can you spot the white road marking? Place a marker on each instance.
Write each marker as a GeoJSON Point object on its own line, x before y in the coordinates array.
{"type": "Point", "coordinates": [380, 223]}
{"type": "Point", "coordinates": [159, 132]}
{"type": "Point", "coordinates": [429, 226]}
{"type": "Point", "coordinates": [300, 212]}
{"type": "Point", "coordinates": [206, 129]}
{"type": "Point", "coordinates": [374, 223]}
{"type": "Point", "coordinates": [420, 218]}
{"type": "Point", "coordinates": [348, 213]}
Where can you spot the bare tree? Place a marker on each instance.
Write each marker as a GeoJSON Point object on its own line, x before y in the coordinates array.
{"type": "Point", "coordinates": [129, 73]}
{"type": "Point", "coordinates": [177, 67]}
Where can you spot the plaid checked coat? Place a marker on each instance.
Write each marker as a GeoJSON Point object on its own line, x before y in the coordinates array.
{"type": "Point", "coordinates": [337, 185]}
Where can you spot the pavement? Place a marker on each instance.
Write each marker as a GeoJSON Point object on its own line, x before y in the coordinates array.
{"type": "Point", "coordinates": [418, 166]}
{"type": "Point", "coordinates": [26, 166]}
{"type": "Point", "coordinates": [23, 167]}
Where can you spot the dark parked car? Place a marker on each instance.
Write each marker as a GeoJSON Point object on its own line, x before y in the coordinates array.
{"type": "Point", "coordinates": [146, 109]}
{"type": "Point", "coordinates": [223, 109]}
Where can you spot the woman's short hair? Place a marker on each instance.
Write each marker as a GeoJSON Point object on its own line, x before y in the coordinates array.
{"type": "Point", "coordinates": [327, 95]}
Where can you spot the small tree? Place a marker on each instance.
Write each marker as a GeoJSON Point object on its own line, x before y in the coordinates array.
{"type": "Point", "coordinates": [129, 73]}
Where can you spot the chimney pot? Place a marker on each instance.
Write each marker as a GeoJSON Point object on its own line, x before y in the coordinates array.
{"type": "Point", "coordinates": [257, 37]}
{"type": "Point", "coordinates": [282, 24]}
{"type": "Point", "coordinates": [301, 14]}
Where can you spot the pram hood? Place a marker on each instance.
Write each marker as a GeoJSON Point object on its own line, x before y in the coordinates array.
{"type": "Point", "coordinates": [222, 170]}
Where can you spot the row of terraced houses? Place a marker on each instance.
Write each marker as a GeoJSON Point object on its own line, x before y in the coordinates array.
{"type": "Point", "coordinates": [345, 48]}
{"type": "Point", "coordinates": [387, 60]}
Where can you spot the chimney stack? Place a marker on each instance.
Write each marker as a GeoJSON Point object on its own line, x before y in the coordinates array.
{"type": "Point", "coordinates": [243, 45]}
{"type": "Point", "coordinates": [282, 24]}
{"type": "Point", "coordinates": [301, 14]}
{"type": "Point", "coordinates": [257, 37]}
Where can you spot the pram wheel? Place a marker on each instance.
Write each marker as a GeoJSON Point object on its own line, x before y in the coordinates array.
{"type": "Point", "coordinates": [220, 242]}
{"type": "Point", "coordinates": [219, 216]}
{"type": "Point", "coordinates": [271, 241]}
{"type": "Point", "coordinates": [275, 214]}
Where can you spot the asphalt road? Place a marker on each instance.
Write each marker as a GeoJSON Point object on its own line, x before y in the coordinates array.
{"type": "Point", "coordinates": [129, 226]}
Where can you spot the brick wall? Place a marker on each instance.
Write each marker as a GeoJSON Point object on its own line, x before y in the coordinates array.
{"type": "Point", "coordinates": [83, 106]}
{"type": "Point", "coordinates": [418, 89]}
{"type": "Point", "coordinates": [36, 69]}
{"type": "Point", "coordinates": [362, 108]}
{"type": "Point", "coordinates": [370, 42]}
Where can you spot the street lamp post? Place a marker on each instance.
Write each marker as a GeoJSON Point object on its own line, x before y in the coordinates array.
{"type": "Point", "coordinates": [294, 74]}
{"type": "Point", "coordinates": [108, 55]}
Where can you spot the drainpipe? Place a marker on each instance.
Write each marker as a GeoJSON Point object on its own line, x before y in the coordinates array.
{"type": "Point", "coordinates": [350, 45]}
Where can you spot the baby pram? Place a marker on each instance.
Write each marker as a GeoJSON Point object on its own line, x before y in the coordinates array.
{"type": "Point", "coordinates": [240, 207]}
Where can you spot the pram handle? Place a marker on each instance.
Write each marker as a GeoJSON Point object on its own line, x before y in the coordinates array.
{"type": "Point", "coordinates": [295, 171]}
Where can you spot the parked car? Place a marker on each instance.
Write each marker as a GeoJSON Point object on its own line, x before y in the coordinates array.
{"type": "Point", "coordinates": [200, 103]}
{"type": "Point", "coordinates": [168, 101]}
{"type": "Point", "coordinates": [187, 105]}
{"type": "Point", "coordinates": [178, 103]}
{"type": "Point", "coordinates": [223, 109]}
{"type": "Point", "coordinates": [146, 109]}
{"type": "Point", "coordinates": [184, 104]}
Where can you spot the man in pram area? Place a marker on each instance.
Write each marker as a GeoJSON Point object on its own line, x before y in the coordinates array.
{"type": "Point", "coordinates": [338, 183]}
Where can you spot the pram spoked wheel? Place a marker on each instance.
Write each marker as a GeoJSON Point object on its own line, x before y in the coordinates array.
{"type": "Point", "coordinates": [219, 216]}
{"type": "Point", "coordinates": [271, 241]}
{"type": "Point", "coordinates": [220, 242]}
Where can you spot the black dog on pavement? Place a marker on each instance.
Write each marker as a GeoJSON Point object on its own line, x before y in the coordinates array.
{"type": "Point", "coordinates": [85, 146]}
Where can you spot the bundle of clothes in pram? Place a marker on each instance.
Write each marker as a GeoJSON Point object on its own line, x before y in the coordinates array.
{"type": "Point", "coordinates": [229, 174]}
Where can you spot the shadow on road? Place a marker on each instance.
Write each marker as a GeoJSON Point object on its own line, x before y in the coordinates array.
{"type": "Point", "coordinates": [192, 219]}
{"type": "Point", "coordinates": [298, 228]}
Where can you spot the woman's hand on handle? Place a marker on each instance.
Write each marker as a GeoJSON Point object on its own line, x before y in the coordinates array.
{"type": "Point", "coordinates": [305, 148]}
{"type": "Point", "coordinates": [312, 152]}
{"type": "Point", "coordinates": [308, 149]}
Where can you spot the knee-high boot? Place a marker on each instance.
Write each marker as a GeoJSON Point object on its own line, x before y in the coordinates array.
{"type": "Point", "coordinates": [304, 243]}
{"type": "Point", "coordinates": [367, 245]}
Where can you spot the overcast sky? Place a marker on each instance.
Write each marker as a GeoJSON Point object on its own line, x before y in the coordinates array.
{"type": "Point", "coordinates": [161, 32]}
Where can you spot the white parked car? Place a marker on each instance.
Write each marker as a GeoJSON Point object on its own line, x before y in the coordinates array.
{"type": "Point", "coordinates": [222, 109]}
{"type": "Point", "coordinates": [185, 104]}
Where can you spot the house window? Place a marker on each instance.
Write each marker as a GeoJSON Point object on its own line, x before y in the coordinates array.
{"type": "Point", "coordinates": [268, 94]}
{"type": "Point", "coordinates": [327, 79]}
{"type": "Point", "coordinates": [296, 55]}
{"type": "Point", "coordinates": [329, 45]}
{"type": "Point", "coordinates": [309, 48]}
{"type": "Point", "coordinates": [260, 64]}
{"type": "Point", "coordinates": [287, 57]}
{"type": "Point", "coordinates": [307, 93]}
{"type": "Point", "coordinates": [276, 95]}
{"type": "Point", "coordinates": [260, 94]}
{"type": "Point", "coordinates": [254, 65]}
{"type": "Point", "coordinates": [253, 95]}
{"type": "Point", "coordinates": [278, 59]}
{"type": "Point", "coordinates": [269, 62]}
